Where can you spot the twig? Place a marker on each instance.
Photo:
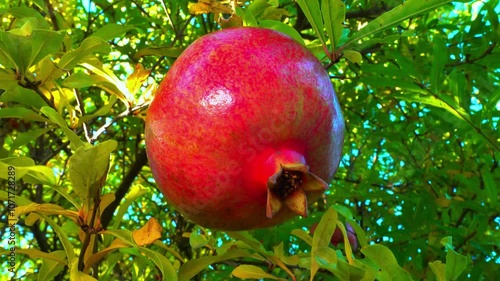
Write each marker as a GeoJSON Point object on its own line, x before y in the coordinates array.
{"type": "Point", "coordinates": [127, 112]}
{"type": "Point", "coordinates": [468, 60]}
{"type": "Point", "coordinates": [168, 16]}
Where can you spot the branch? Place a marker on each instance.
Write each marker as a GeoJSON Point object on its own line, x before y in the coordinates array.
{"type": "Point", "coordinates": [468, 60]}
{"type": "Point", "coordinates": [140, 160]}
{"type": "Point", "coordinates": [128, 112]}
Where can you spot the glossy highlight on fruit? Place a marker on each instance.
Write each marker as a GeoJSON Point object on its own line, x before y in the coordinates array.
{"type": "Point", "coordinates": [245, 130]}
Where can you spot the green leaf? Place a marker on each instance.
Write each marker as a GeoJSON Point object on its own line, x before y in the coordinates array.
{"type": "Point", "coordinates": [302, 234]}
{"type": "Point", "coordinates": [26, 169]}
{"type": "Point", "coordinates": [257, 7]}
{"type": "Point", "coordinates": [455, 262]}
{"type": "Point", "coordinates": [20, 201]}
{"type": "Point", "coordinates": [43, 43]}
{"type": "Point", "coordinates": [51, 268]}
{"type": "Point", "coordinates": [112, 31]}
{"type": "Point", "coordinates": [327, 258]}
{"type": "Point", "coordinates": [56, 118]}
{"type": "Point", "coordinates": [82, 80]}
{"type": "Point", "coordinates": [312, 12]}
{"type": "Point", "coordinates": [37, 254]}
{"type": "Point", "coordinates": [119, 88]}
{"type": "Point", "coordinates": [197, 240]}
{"type": "Point", "coordinates": [13, 50]}
{"type": "Point", "coordinates": [172, 52]}
{"type": "Point", "coordinates": [439, 269]}
{"type": "Point", "coordinates": [247, 16]}
{"type": "Point", "coordinates": [322, 236]}
{"type": "Point", "coordinates": [27, 137]}
{"type": "Point", "coordinates": [283, 28]}
{"type": "Point", "coordinates": [353, 56]}
{"type": "Point", "coordinates": [247, 271]}
{"type": "Point", "coordinates": [76, 275]}
{"type": "Point", "coordinates": [23, 96]}
{"type": "Point", "coordinates": [167, 270]}
{"type": "Point", "coordinates": [333, 16]}
{"type": "Point", "coordinates": [490, 187]}
{"type": "Point", "coordinates": [8, 79]}
{"type": "Point", "coordinates": [22, 113]}
{"type": "Point", "coordinates": [279, 252]}
{"type": "Point", "coordinates": [343, 211]}
{"type": "Point", "coordinates": [245, 237]}
{"type": "Point", "coordinates": [439, 58]}
{"type": "Point", "coordinates": [63, 238]}
{"type": "Point", "coordinates": [89, 46]}
{"type": "Point", "coordinates": [88, 168]}
{"type": "Point", "coordinates": [460, 113]}
{"type": "Point", "coordinates": [408, 9]}
{"type": "Point", "coordinates": [192, 267]}
{"type": "Point", "coordinates": [385, 259]}
{"type": "Point", "coordinates": [458, 86]}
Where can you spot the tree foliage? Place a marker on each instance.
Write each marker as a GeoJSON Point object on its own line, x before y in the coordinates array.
{"type": "Point", "coordinates": [418, 82]}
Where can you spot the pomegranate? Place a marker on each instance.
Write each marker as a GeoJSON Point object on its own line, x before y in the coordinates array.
{"type": "Point", "coordinates": [245, 130]}
{"type": "Point", "coordinates": [337, 236]}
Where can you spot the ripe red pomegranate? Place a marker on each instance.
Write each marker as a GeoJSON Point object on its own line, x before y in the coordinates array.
{"type": "Point", "coordinates": [244, 130]}
{"type": "Point", "coordinates": [337, 236]}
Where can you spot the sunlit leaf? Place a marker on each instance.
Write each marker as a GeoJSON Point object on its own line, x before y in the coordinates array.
{"type": "Point", "coordinates": [51, 268]}
{"type": "Point", "coordinates": [88, 168]}
{"type": "Point", "coordinates": [283, 28]}
{"type": "Point", "coordinates": [25, 168]}
{"type": "Point", "coordinates": [385, 259]}
{"type": "Point", "coordinates": [439, 270]}
{"type": "Point", "coordinates": [191, 268]}
{"type": "Point", "coordinates": [89, 46]}
{"type": "Point", "coordinates": [333, 16]}
{"type": "Point", "coordinates": [137, 78]}
{"type": "Point", "coordinates": [172, 52]}
{"type": "Point", "coordinates": [147, 234]}
{"type": "Point", "coordinates": [47, 209]}
{"type": "Point", "coordinates": [68, 247]}
{"type": "Point", "coordinates": [247, 271]}
{"type": "Point", "coordinates": [353, 56]}
{"type": "Point", "coordinates": [76, 275]}
{"type": "Point", "coordinates": [312, 12]}
{"type": "Point", "coordinates": [209, 6]}
{"type": "Point", "coordinates": [197, 240]}
{"type": "Point", "coordinates": [55, 117]}
{"type": "Point", "coordinates": [408, 9]}
{"type": "Point", "coordinates": [322, 236]}
{"type": "Point", "coordinates": [112, 31]}
{"type": "Point", "coordinates": [96, 257]}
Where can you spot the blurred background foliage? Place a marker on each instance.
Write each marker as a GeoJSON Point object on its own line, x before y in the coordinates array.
{"type": "Point", "coordinates": [420, 99]}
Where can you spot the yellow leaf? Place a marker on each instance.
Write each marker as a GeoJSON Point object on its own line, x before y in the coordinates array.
{"type": "Point", "coordinates": [209, 6]}
{"type": "Point", "coordinates": [251, 271]}
{"type": "Point", "coordinates": [46, 209]}
{"type": "Point", "coordinates": [147, 234]}
{"type": "Point", "coordinates": [135, 80]}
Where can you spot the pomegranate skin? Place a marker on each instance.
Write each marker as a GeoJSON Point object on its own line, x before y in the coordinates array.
{"type": "Point", "coordinates": [235, 102]}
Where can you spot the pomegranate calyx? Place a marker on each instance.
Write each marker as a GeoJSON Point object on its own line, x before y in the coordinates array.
{"type": "Point", "coordinates": [289, 186]}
